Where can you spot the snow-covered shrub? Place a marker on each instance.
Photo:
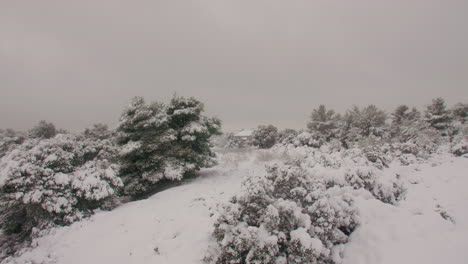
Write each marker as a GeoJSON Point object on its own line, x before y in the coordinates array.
{"type": "Point", "coordinates": [265, 136]}
{"type": "Point", "coordinates": [163, 142]}
{"type": "Point", "coordinates": [234, 142]}
{"type": "Point", "coordinates": [287, 136]}
{"type": "Point", "coordinates": [286, 216]}
{"type": "Point", "coordinates": [55, 181]}
{"type": "Point", "coordinates": [459, 145]}
{"type": "Point", "coordinates": [309, 139]}
{"type": "Point", "coordinates": [383, 187]}
{"type": "Point", "coordinates": [9, 139]}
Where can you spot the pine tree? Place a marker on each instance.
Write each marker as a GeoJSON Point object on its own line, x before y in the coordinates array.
{"type": "Point", "coordinates": [324, 122]}
{"type": "Point", "coordinates": [437, 116]}
{"type": "Point", "coordinates": [43, 130]}
{"type": "Point", "coordinates": [163, 142]}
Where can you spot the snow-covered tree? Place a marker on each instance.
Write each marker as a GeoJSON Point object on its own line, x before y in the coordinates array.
{"type": "Point", "coordinates": [193, 131]}
{"type": "Point", "coordinates": [437, 115]}
{"type": "Point", "coordinates": [265, 136]}
{"type": "Point", "coordinates": [460, 112]}
{"type": "Point", "coordinates": [324, 123]}
{"type": "Point", "coordinates": [359, 124]}
{"type": "Point", "coordinates": [43, 129]}
{"type": "Point", "coordinates": [55, 181]}
{"type": "Point", "coordinates": [163, 142]}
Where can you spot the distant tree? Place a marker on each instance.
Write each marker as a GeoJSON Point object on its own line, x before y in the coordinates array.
{"type": "Point", "coordinates": [359, 124]}
{"type": "Point", "coordinates": [43, 130]}
{"type": "Point", "coordinates": [162, 142]}
{"type": "Point", "coordinates": [265, 136]}
{"type": "Point", "coordinates": [437, 115]}
{"type": "Point", "coordinates": [460, 112]}
{"type": "Point", "coordinates": [324, 122]}
{"type": "Point", "coordinates": [98, 131]}
{"type": "Point", "coordinates": [402, 119]}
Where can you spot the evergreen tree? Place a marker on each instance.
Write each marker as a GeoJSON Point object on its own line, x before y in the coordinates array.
{"type": "Point", "coordinates": [460, 112]}
{"type": "Point", "coordinates": [43, 130]}
{"type": "Point", "coordinates": [324, 122]}
{"type": "Point", "coordinates": [163, 142]}
{"type": "Point", "coordinates": [359, 124]}
{"type": "Point", "coordinates": [437, 116]}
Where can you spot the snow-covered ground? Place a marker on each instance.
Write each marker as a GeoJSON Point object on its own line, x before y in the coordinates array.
{"type": "Point", "coordinates": [174, 226]}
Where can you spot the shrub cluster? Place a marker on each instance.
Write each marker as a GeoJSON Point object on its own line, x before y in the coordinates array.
{"type": "Point", "coordinates": [55, 181]}
{"type": "Point", "coordinates": [301, 211]}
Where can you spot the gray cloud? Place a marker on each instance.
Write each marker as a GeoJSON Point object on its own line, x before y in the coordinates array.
{"type": "Point", "coordinates": [251, 62]}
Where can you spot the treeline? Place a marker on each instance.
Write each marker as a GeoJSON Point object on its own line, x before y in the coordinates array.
{"type": "Point", "coordinates": [50, 177]}
{"type": "Point", "coordinates": [370, 125]}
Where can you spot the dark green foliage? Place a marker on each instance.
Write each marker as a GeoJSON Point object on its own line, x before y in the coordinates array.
{"type": "Point", "coordinates": [437, 116]}
{"type": "Point", "coordinates": [265, 136]}
{"type": "Point", "coordinates": [163, 142]}
{"type": "Point", "coordinates": [43, 130]}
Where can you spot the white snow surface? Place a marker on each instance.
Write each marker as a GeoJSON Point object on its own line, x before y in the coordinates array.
{"type": "Point", "coordinates": [175, 225]}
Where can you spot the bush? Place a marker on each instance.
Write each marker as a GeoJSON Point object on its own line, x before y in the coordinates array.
{"type": "Point", "coordinates": [9, 139]}
{"type": "Point", "coordinates": [55, 181]}
{"type": "Point", "coordinates": [286, 216]}
{"type": "Point", "coordinates": [265, 136]}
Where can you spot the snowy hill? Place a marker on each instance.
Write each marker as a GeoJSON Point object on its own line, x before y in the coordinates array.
{"type": "Point", "coordinates": [174, 226]}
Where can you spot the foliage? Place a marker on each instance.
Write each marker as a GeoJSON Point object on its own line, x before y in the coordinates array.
{"type": "Point", "coordinates": [358, 124]}
{"type": "Point", "coordinates": [9, 139]}
{"type": "Point", "coordinates": [324, 123]}
{"type": "Point", "coordinates": [43, 130]}
{"type": "Point", "coordinates": [437, 116]}
{"type": "Point", "coordinates": [265, 136]}
{"type": "Point", "coordinates": [55, 181]}
{"type": "Point", "coordinates": [163, 142]}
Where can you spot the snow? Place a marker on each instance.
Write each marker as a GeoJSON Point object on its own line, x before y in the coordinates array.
{"type": "Point", "coordinates": [301, 235]}
{"type": "Point", "coordinates": [174, 226]}
{"type": "Point", "coordinates": [415, 231]}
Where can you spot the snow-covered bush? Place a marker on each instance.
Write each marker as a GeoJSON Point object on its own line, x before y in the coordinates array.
{"type": "Point", "coordinates": [55, 181]}
{"type": "Point", "coordinates": [286, 216]}
{"type": "Point", "coordinates": [309, 139]}
{"type": "Point", "coordinates": [9, 139]}
{"type": "Point", "coordinates": [163, 142]}
{"type": "Point", "coordinates": [459, 145]}
{"type": "Point", "coordinates": [265, 136]}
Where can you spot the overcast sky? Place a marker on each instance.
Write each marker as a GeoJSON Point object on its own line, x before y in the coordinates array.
{"type": "Point", "coordinates": [251, 62]}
